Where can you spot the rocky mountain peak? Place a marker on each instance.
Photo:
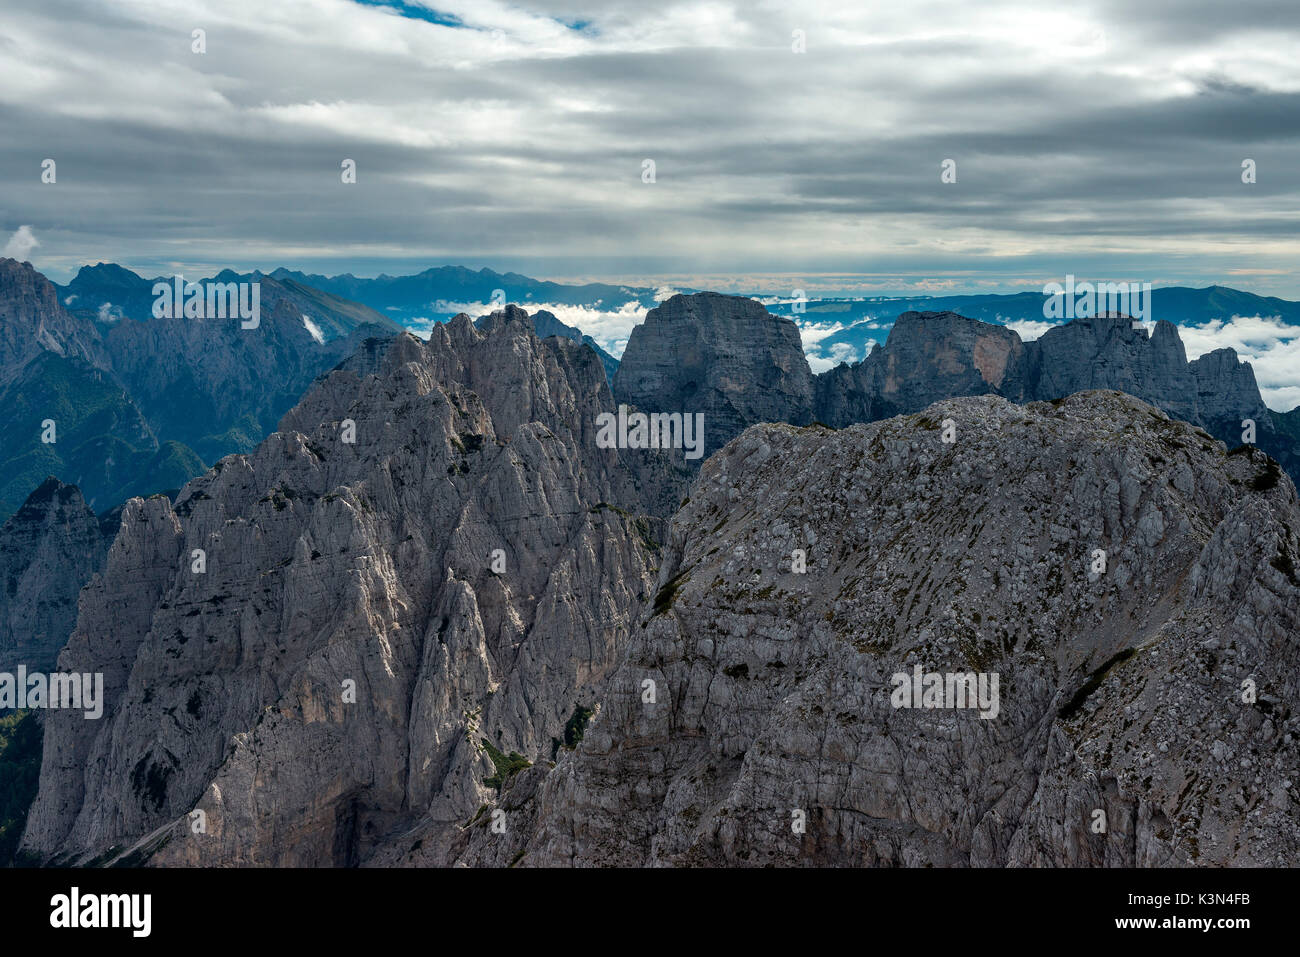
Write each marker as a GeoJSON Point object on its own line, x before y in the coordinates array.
{"type": "Point", "coordinates": [724, 356]}
{"type": "Point", "coordinates": [49, 548]}
{"type": "Point", "coordinates": [33, 321]}
{"type": "Point", "coordinates": [546, 324]}
{"type": "Point", "coordinates": [430, 565]}
{"type": "Point", "coordinates": [1120, 593]}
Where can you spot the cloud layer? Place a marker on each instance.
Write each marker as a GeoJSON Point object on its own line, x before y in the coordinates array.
{"type": "Point", "coordinates": [1104, 140]}
{"type": "Point", "coordinates": [1270, 346]}
{"type": "Point", "coordinates": [21, 244]}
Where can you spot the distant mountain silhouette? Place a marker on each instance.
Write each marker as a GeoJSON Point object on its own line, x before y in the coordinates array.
{"type": "Point", "coordinates": [139, 404]}
{"type": "Point", "coordinates": [727, 357]}
{"type": "Point", "coordinates": [868, 320]}
{"type": "Point", "coordinates": [433, 293]}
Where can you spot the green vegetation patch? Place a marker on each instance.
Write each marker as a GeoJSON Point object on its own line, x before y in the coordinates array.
{"type": "Point", "coordinates": [1268, 478]}
{"type": "Point", "coordinates": [576, 726]}
{"type": "Point", "coordinates": [150, 779]}
{"type": "Point", "coordinates": [21, 743]}
{"type": "Point", "coordinates": [507, 765]}
{"type": "Point", "coordinates": [668, 594]}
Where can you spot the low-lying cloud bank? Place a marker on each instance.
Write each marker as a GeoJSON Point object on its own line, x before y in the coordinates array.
{"type": "Point", "coordinates": [610, 327]}
{"type": "Point", "coordinates": [821, 359]}
{"type": "Point", "coordinates": [1267, 343]}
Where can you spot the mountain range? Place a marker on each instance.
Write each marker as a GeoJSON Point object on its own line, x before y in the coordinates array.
{"type": "Point", "coordinates": [729, 358]}
{"type": "Point", "coordinates": [836, 328]}
{"type": "Point", "coordinates": [138, 405]}
{"type": "Point", "coordinates": [865, 322]}
{"type": "Point", "coordinates": [335, 306]}
{"type": "Point", "coordinates": [433, 293]}
{"type": "Point", "coordinates": [428, 600]}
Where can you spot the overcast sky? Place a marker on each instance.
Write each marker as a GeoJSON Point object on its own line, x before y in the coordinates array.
{"type": "Point", "coordinates": [1106, 141]}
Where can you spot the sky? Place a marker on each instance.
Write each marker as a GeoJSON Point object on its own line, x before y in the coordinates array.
{"type": "Point", "coordinates": [795, 145]}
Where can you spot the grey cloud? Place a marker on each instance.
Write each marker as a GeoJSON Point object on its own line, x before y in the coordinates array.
{"type": "Point", "coordinates": [766, 159]}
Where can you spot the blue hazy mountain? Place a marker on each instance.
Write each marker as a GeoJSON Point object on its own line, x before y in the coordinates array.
{"type": "Point", "coordinates": [121, 403]}
{"type": "Point", "coordinates": [434, 293]}
{"type": "Point", "coordinates": [107, 292]}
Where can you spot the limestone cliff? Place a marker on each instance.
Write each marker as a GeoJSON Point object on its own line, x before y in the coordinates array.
{"type": "Point", "coordinates": [1151, 693]}
{"type": "Point", "coordinates": [403, 594]}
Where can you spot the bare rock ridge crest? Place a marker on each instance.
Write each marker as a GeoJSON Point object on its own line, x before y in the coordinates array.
{"type": "Point", "coordinates": [1120, 692]}
{"type": "Point", "coordinates": [727, 357]}
{"type": "Point", "coordinates": [371, 562]}
{"type": "Point", "coordinates": [518, 686]}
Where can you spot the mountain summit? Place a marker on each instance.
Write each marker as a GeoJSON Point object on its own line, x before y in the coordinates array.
{"type": "Point", "coordinates": [729, 358]}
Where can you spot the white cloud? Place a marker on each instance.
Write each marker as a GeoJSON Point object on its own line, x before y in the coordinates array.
{"type": "Point", "coordinates": [609, 327]}
{"type": "Point", "coordinates": [839, 353]}
{"type": "Point", "coordinates": [421, 327]}
{"type": "Point", "coordinates": [1282, 399]}
{"type": "Point", "coordinates": [1246, 334]}
{"type": "Point", "coordinates": [843, 352]}
{"type": "Point", "coordinates": [21, 244]}
{"type": "Point", "coordinates": [814, 332]}
{"type": "Point", "coordinates": [1029, 329]}
{"type": "Point", "coordinates": [313, 328]}
{"type": "Point", "coordinates": [1270, 345]}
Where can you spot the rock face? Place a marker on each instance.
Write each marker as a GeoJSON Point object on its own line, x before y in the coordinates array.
{"type": "Point", "coordinates": [217, 387]}
{"type": "Point", "coordinates": [1109, 353]}
{"type": "Point", "coordinates": [932, 356]}
{"type": "Point", "coordinates": [546, 324]}
{"type": "Point", "coordinates": [1215, 391]}
{"type": "Point", "coordinates": [1121, 690]}
{"type": "Point", "coordinates": [740, 365]}
{"type": "Point", "coordinates": [379, 630]}
{"type": "Point", "coordinates": [48, 550]}
{"type": "Point", "coordinates": [929, 356]}
{"type": "Point", "coordinates": [33, 323]}
{"type": "Point", "coordinates": [724, 356]}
